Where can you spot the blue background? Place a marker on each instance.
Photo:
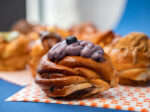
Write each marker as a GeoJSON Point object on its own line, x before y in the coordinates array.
{"type": "Point", "coordinates": [135, 18]}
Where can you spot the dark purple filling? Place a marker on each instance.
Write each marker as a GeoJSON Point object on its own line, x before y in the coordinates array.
{"type": "Point", "coordinates": [80, 48]}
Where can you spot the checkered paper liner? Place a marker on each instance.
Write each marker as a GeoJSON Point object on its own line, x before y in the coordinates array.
{"type": "Point", "coordinates": [121, 97]}
{"type": "Point", "coordinates": [21, 77]}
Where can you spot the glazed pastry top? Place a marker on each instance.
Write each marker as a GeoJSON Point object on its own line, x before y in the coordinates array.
{"type": "Point", "coordinates": [134, 43]}
{"type": "Point", "coordinates": [72, 47]}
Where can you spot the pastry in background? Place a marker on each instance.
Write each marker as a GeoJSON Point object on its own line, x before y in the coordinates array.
{"type": "Point", "coordinates": [100, 38]}
{"type": "Point", "coordinates": [13, 51]}
{"type": "Point", "coordinates": [64, 33]}
{"type": "Point", "coordinates": [131, 58]}
{"type": "Point", "coordinates": [34, 35]}
{"type": "Point", "coordinates": [79, 30]}
{"type": "Point", "coordinates": [149, 43]}
{"type": "Point", "coordinates": [40, 47]}
{"type": "Point", "coordinates": [75, 69]}
{"type": "Point", "coordinates": [112, 43]}
{"type": "Point", "coordinates": [30, 30]}
{"type": "Point", "coordinates": [89, 32]}
{"type": "Point", "coordinates": [24, 27]}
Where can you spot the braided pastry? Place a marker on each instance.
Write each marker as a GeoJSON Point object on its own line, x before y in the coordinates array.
{"type": "Point", "coordinates": [131, 57]}
{"type": "Point", "coordinates": [75, 69]}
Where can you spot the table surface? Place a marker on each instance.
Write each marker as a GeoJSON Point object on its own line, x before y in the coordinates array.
{"type": "Point", "coordinates": [135, 18]}
{"type": "Point", "coordinates": [8, 89]}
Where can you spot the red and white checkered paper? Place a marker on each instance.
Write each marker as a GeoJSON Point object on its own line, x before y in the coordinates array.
{"type": "Point", "coordinates": [121, 97]}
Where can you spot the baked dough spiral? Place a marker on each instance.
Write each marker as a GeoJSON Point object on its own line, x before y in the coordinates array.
{"type": "Point", "coordinates": [75, 76]}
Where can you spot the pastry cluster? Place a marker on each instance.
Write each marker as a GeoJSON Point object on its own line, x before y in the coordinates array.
{"type": "Point", "coordinates": [25, 44]}
{"type": "Point", "coordinates": [78, 62]}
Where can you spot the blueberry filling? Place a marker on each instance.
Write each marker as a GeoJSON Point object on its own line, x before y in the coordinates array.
{"type": "Point", "coordinates": [52, 88]}
{"type": "Point", "coordinates": [71, 39]}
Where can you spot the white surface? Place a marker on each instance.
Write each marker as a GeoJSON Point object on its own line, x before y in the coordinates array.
{"type": "Point", "coordinates": [60, 12]}
{"type": "Point", "coordinates": [22, 77]}
{"type": "Point", "coordinates": [104, 13]}
{"type": "Point", "coordinates": [64, 13]}
{"type": "Point", "coordinates": [32, 10]}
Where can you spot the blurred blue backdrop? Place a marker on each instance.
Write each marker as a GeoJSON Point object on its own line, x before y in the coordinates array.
{"type": "Point", "coordinates": [135, 18]}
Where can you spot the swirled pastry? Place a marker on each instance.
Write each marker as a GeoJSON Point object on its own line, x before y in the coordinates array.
{"type": "Point", "coordinates": [75, 69]}
{"type": "Point", "coordinates": [131, 58]}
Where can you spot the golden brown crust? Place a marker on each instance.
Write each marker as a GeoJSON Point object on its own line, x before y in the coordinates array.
{"type": "Point", "coordinates": [40, 46]}
{"type": "Point", "coordinates": [130, 57]}
{"type": "Point", "coordinates": [104, 69]}
{"type": "Point", "coordinates": [129, 82]}
{"type": "Point", "coordinates": [73, 77]}
{"type": "Point", "coordinates": [13, 63]}
{"type": "Point", "coordinates": [35, 54]}
{"type": "Point", "coordinates": [13, 54]}
{"type": "Point", "coordinates": [100, 38]}
{"type": "Point", "coordinates": [88, 32]}
{"type": "Point", "coordinates": [79, 30]}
